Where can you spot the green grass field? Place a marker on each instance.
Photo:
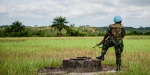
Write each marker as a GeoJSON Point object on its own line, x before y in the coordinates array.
{"type": "Point", "coordinates": [25, 55]}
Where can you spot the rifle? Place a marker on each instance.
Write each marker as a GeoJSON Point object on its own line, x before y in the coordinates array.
{"type": "Point", "coordinates": [99, 44]}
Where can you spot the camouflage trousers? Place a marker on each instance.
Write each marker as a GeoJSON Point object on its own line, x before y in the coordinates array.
{"type": "Point", "coordinates": [118, 49]}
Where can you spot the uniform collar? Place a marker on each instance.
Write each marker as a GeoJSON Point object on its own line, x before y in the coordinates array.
{"type": "Point", "coordinates": [116, 23]}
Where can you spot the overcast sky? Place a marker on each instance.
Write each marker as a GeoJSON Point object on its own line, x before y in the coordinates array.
{"type": "Point", "coordinates": [98, 13]}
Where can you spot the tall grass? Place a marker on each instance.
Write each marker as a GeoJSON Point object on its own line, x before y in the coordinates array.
{"type": "Point", "coordinates": [25, 55]}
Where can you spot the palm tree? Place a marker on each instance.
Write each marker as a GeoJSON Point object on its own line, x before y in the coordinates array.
{"type": "Point", "coordinates": [17, 26]}
{"type": "Point", "coordinates": [59, 23]}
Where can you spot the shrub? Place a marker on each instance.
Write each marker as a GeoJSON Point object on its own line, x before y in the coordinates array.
{"type": "Point", "coordinates": [21, 34]}
{"type": "Point", "coordinates": [134, 32]}
{"type": "Point", "coordinates": [49, 35]}
{"type": "Point", "coordinates": [13, 34]}
{"type": "Point", "coordinates": [147, 33]}
{"type": "Point", "coordinates": [40, 33]}
{"type": "Point", "coordinates": [91, 34]}
{"type": "Point", "coordinates": [58, 34]}
{"type": "Point", "coordinates": [7, 29]}
{"type": "Point", "coordinates": [71, 32]}
{"type": "Point", "coordinates": [101, 34]}
{"type": "Point", "coordinates": [82, 34]}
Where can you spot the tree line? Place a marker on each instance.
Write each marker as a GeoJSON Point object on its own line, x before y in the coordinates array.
{"type": "Point", "coordinates": [59, 28]}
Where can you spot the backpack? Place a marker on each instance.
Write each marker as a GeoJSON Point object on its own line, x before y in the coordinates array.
{"type": "Point", "coordinates": [117, 31]}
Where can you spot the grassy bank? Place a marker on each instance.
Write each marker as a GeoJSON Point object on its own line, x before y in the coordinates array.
{"type": "Point", "coordinates": [25, 55]}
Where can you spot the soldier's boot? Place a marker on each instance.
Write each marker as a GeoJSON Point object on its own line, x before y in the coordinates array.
{"type": "Point", "coordinates": [118, 68]}
{"type": "Point", "coordinates": [101, 57]}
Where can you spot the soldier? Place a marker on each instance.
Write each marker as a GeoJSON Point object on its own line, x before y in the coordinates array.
{"type": "Point", "coordinates": [115, 34]}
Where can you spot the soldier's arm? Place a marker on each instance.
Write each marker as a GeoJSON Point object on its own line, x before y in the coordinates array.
{"type": "Point", "coordinates": [106, 35]}
{"type": "Point", "coordinates": [104, 38]}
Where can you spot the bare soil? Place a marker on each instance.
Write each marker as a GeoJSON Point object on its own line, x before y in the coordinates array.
{"type": "Point", "coordinates": [59, 71]}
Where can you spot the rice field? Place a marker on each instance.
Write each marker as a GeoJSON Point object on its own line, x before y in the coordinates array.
{"type": "Point", "coordinates": [26, 55]}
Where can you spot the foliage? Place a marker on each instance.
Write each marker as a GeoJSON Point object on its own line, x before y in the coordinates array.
{"type": "Point", "coordinates": [40, 33]}
{"type": "Point", "coordinates": [17, 26]}
{"type": "Point", "coordinates": [57, 34]}
{"type": "Point", "coordinates": [8, 33]}
{"type": "Point", "coordinates": [45, 31]}
{"type": "Point", "coordinates": [59, 23]}
{"type": "Point", "coordinates": [147, 33]}
{"type": "Point", "coordinates": [128, 29]}
{"type": "Point", "coordinates": [134, 32]}
{"type": "Point", "coordinates": [4, 26]}
{"type": "Point", "coordinates": [82, 34]}
{"type": "Point", "coordinates": [91, 34]}
{"type": "Point", "coordinates": [71, 32]}
{"type": "Point", "coordinates": [7, 29]}
{"type": "Point", "coordinates": [101, 34]}
{"type": "Point", "coordinates": [21, 34]}
{"type": "Point", "coordinates": [72, 25]}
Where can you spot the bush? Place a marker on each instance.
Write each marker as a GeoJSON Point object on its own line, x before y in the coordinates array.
{"type": "Point", "coordinates": [49, 35]}
{"type": "Point", "coordinates": [134, 32]}
{"type": "Point", "coordinates": [7, 29]}
{"type": "Point", "coordinates": [147, 33]}
{"type": "Point", "coordinates": [91, 34]}
{"type": "Point", "coordinates": [82, 34]}
{"type": "Point", "coordinates": [40, 33]}
{"type": "Point", "coordinates": [21, 34]}
{"type": "Point", "coordinates": [3, 34]}
{"type": "Point", "coordinates": [101, 34]}
{"type": "Point", "coordinates": [71, 32]}
{"type": "Point", "coordinates": [76, 33]}
{"type": "Point", "coordinates": [140, 33]}
{"type": "Point", "coordinates": [13, 34]}
{"type": "Point", "coordinates": [60, 34]}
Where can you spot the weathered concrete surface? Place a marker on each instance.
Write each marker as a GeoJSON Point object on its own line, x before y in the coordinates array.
{"type": "Point", "coordinates": [81, 64]}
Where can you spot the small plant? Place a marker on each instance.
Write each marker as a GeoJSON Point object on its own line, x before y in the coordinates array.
{"type": "Point", "coordinates": [68, 72]}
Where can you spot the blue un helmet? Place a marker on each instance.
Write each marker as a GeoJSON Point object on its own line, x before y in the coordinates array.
{"type": "Point", "coordinates": [117, 18]}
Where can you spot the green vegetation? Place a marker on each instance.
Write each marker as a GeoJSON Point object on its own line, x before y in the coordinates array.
{"type": "Point", "coordinates": [68, 72]}
{"type": "Point", "coordinates": [58, 28]}
{"type": "Point", "coordinates": [25, 55]}
{"type": "Point", "coordinates": [51, 32]}
{"type": "Point", "coordinates": [59, 23]}
{"type": "Point", "coordinates": [17, 29]}
{"type": "Point", "coordinates": [17, 26]}
{"type": "Point", "coordinates": [54, 32]}
{"type": "Point", "coordinates": [71, 32]}
{"type": "Point", "coordinates": [128, 29]}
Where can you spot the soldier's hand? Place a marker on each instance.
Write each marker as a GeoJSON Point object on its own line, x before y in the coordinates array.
{"type": "Point", "coordinates": [101, 41]}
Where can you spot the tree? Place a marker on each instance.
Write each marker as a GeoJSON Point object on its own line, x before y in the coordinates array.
{"type": "Point", "coordinates": [7, 29]}
{"type": "Point", "coordinates": [17, 26]}
{"type": "Point", "coordinates": [72, 25]}
{"type": "Point", "coordinates": [59, 23]}
{"type": "Point", "coordinates": [36, 25]}
{"type": "Point", "coordinates": [147, 33]}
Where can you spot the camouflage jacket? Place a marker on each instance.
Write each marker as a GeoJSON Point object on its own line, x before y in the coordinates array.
{"type": "Point", "coordinates": [116, 32]}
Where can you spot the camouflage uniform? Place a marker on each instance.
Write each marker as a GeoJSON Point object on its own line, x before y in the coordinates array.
{"type": "Point", "coordinates": [115, 32]}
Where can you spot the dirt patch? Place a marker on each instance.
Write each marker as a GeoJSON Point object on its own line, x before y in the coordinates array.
{"type": "Point", "coordinates": [79, 66]}
{"type": "Point", "coordinates": [59, 71]}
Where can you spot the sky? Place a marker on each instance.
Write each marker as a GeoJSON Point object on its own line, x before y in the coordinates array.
{"type": "Point", "coordinates": [96, 13]}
